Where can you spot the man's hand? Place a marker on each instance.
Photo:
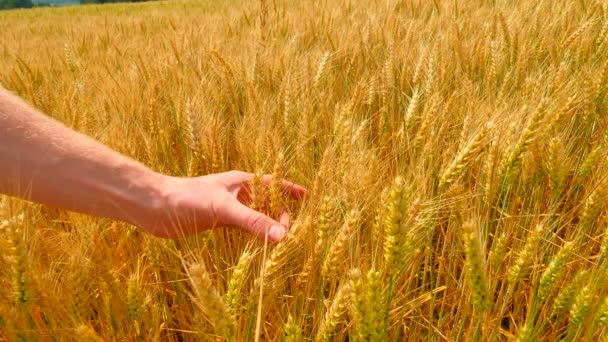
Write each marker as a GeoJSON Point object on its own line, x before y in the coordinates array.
{"type": "Point", "coordinates": [43, 161]}
{"type": "Point", "coordinates": [191, 205]}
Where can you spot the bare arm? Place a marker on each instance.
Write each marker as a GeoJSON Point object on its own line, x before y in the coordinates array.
{"type": "Point", "coordinates": [46, 162]}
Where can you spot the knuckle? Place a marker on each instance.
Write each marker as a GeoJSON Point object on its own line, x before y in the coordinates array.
{"type": "Point", "coordinates": [256, 221]}
{"type": "Point", "coordinates": [238, 174]}
{"type": "Point", "coordinates": [234, 173]}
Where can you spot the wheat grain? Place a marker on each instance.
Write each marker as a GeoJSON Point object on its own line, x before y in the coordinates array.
{"type": "Point", "coordinates": [554, 270]}
{"type": "Point", "coordinates": [526, 256]}
{"type": "Point", "coordinates": [581, 306]}
{"type": "Point", "coordinates": [334, 316]}
{"type": "Point", "coordinates": [476, 269]}
{"type": "Point", "coordinates": [567, 295]}
{"type": "Point", "coordinates": [465, 155]}
{"type": "Point", "coordinates": [236, 283]}
{"type": "Point", "coordinates": [394, 210]}
{"type": "Point", "coordinates": [339, 247]}
{"type": "Point", "coordinates": [208, 300]}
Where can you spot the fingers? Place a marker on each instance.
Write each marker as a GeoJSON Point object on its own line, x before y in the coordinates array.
{"type": "Point", "coordinates": [255, 222]}
{"type": "Point", "coordinates": [293, 190]}
{"type": "Point", "coordinates": [284, 218]}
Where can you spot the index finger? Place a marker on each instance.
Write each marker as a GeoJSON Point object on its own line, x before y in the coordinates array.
{"type": "Point", "coordinates": [293, 190]}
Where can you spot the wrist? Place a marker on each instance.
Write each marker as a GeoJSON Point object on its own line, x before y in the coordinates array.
{"type": "Point", "coordinates": [143, 201]}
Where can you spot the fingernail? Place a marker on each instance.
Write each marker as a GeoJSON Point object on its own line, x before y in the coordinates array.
{"type": "Point", "coordinates": [276, 233]}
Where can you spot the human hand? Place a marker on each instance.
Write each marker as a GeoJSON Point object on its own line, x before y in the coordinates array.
{"type": "Point", "coordinates": [192, 205]}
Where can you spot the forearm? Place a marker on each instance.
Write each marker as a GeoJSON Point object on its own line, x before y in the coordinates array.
{"type": "Point", "coordinates": [44, 161]}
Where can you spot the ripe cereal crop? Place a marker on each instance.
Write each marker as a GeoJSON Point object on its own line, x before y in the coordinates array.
{"type": "Point", "coordinates": [454, 151]}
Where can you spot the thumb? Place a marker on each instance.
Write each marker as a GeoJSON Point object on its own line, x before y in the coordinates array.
{"type": "Point", "coordinates": [254, 222]}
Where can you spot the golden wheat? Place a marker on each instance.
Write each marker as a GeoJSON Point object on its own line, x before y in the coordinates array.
{"type": "Point", "coordinates": [454, 152]}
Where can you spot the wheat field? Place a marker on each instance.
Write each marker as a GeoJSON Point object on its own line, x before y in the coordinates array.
{"type": "Point", "coordinates": [455, 154]}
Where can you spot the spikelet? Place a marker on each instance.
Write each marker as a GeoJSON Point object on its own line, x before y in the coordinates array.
{"type": "Point", "coordinates": [602, 79]}
{"type": "Point", "coordinates": [208, 300]}
{"type": "Point", "coordinates": [525, 334]}
{"type": "Point", "coordinates": [499, 251]}
{"type": "Point", "coordinates": [430, 76]}
{"type": "Point", "coordinates": [309, 271]}
{"type": "Point", "coordinates": [530, 134]}
{"type": "Point", "coordinates": [428, 117]}
{"type": "Point", "coordinates": [601, 37]}
{"type": "Point", "coordinates": [134, 299]}
{"type": "Point", "coordinates": [575, 34]}
{"type": "Point", "coordinates": [358, 304]}
{"type": "Point", "coordinates": [493, 61]}
{"type": "Point", "coordinates": [233, 294]}
{"type": "Point", "coordinates": [275, 186]}
{"type": "Point", "coordinates": [292, 331]}
{"type": "Point", "coordinates": [388, 77]}
{"type": "Point", "coordinates": [80, 290]}
{"type": "Point", "coordinates": [505, 32]}
{"type": "Point", "coordinates": [358, 139]}
{"type": "Point", "coordinates": [373, 309]}
{"type": "Point", "coordinates": [190, 125]}
{"type": "Point", "coordinates": [488, 171]}
{"type": "Point", "coordinates": [604, 245]}
{"type": "Point", "coordinates": [334, 316]}
{"type": "Point", "coordinates": [70, 61]}
{"type": "Point", "coordinates": [326, 219]}
{"type": "Point", "coordinates": [151, 119]}
{"type": "Point", "coordinates": [419, 65]}
{"type": "Point", "coordinates": [339, 247]}
{"type": "Point", "coordinates": [476, 268]}
{"type": "Point", "coordinates": [526, 256]}
{"type": "Point", "coordinates": [565, 109]}
{"type": "Point", "coordinates": [320, 74]}
{"type": "Point", "coordinates": [393, 226]}
{"type": "Point", "coordinates": [191, 130]}
{"type": "Point", "coordinates": [581, 306]}
{"type": "Point", "coordinates": [258, 192]}
{"type": "Point", "coordinates": [464, 131]}
{"type": "Point", "coordinates": [372, 91]}
{"type": "Point", "coordinates": [554, 270]}
{"type": "Point", "coordinates": [325, 228]}
{"type": "Point", "coordinates": [274, 270]}
{"type": "Point", "coordinates": [588, 164]}
{"type": "Point", "coordinates": [566, 296]}
{"type": "Point", "coordinates": [343, 131]}
{"type": "Point", "coordinates": [153, 253]}
{"type": "Point", "coordinates": [21, 290]}
{"type": "Point", "coordinates": [465, 155]}
{"type": "Point", "coordinates": [601, 316]}
{"type": "Point", "coordinates": [592, 207]}
{"type": "Point", "coordinates": [412, 108]}
{"type": "Point", "coordinates": [288, 105]}
{"type": "Point", "coordinates": [225, 66]}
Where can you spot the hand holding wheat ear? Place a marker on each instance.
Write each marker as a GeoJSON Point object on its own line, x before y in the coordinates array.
{"type": "Point", "coordinates": [46, 162]}
{"type": "Point", "coordinates": [196, 204]}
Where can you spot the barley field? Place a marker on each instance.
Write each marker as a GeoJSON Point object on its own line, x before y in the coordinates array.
{"type": "Point", "coordinates": [455, 154]}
